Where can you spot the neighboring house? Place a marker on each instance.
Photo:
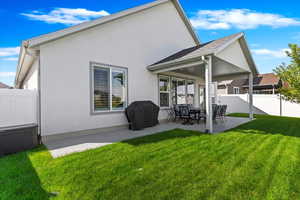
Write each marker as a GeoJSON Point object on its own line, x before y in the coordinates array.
{"type": "Point", "coordinates": [87, 74]}
{"type": "Point", "coordinates": [262, 84]}
{"type": "Point", "coordinates": [4, 86]}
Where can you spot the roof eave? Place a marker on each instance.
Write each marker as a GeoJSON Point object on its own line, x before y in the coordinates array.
{"type": "Point", "coordinates": [221, 48]}
{"type": "Point", "coordinates": [20, 60]}
{"type": "Point", "coordinates": [36, 41]}
{"type": "Point", "coordinates": [183, 60]}
{"type": "Point", "coordinates": [260, 84]}
{"type": "Point", "coordinates": [33, 42]}
{"type": "Point", "coordinates": [26, 59]}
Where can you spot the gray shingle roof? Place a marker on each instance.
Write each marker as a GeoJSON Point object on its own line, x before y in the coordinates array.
{"type": "Point", "coordinates": [202, 49]}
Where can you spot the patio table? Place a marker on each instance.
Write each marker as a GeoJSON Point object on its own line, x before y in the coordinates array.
{"type": "Point", "coordinates": [198, 112]}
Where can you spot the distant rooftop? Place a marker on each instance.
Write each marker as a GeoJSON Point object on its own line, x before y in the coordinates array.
{"type": "Point", "coordinates": [4, 86]}
{"type": "Point", "coordinates": [259, 80]}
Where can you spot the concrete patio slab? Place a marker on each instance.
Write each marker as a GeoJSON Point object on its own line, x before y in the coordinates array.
{"type": "Point", "coordinates": [67, 145]}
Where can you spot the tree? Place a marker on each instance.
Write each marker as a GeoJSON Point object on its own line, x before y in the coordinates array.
{"type": "Point", "coordinates": [290, 75]}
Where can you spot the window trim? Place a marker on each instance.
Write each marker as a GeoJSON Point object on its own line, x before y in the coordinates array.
{"type": "Point", "coordinates": [111, 68]}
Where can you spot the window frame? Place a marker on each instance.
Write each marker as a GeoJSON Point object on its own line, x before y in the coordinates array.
{"type": "Point", "coordinates": [165, 92]}
{"type": "Point", "coordinates": [185, 86]}
{"type": "Point", "coordinates": [111, 68]}
{"type": "Point", "coordinates": [234, 90]}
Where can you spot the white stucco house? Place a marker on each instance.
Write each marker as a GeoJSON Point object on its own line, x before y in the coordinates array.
{"type": "Point", "coordinates": [87, 74]}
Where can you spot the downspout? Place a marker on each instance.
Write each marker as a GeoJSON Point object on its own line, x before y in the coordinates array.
{"type": "Point", "coordinates": [17, 82]}
{"type": "Point", "coordinates": [39, 102]}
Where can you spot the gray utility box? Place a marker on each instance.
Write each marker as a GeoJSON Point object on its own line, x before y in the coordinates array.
{"type": "Point", "coordinates": [18, 138]}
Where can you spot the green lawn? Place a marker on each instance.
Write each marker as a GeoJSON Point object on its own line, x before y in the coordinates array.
{"type": "Point", "coordinates": [258, 160]}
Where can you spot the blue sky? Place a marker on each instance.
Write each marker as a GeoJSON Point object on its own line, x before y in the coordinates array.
{"type": "Point", "coordinates": [269, 25]}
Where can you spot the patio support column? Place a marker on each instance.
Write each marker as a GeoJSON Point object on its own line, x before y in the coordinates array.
{"type": "Point", "coordinates": [208, 103]}
{"type": "Point", "coordinates": [250, 96]}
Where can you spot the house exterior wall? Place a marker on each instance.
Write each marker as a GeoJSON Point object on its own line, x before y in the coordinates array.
{"type": "Point", "coordinates": [244, 90]}
{"type": "Point", "coordinates": [31, 80]}
{"type": "Point", "coordinates": [222, 89]}
{"type": "Point", "coordinates": [229, 90]}
{"type": "Point", "coordinates": [134, 42]}
{"type": "Point", "coordinates": [234, 54]}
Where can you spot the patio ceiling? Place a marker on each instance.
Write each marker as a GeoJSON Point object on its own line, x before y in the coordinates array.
{"type": "Point", "coordinates": [221, 70]}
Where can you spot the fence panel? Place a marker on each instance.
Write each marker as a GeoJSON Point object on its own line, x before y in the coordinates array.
{"type": "Point", "coordinates": [263, 104]}
{"type": "Point", "coordinates": [17, 107]}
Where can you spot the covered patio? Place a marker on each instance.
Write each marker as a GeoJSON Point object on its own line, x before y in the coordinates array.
{"type": "Point", "coordinates": [227, 58]}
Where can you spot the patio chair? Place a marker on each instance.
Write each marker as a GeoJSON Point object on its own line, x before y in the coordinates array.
{"type": "Point", "coordinates": [171, 114]}
{"type": "Point", "coordinates": [185, 114]}
{"type": "Point", "coordinates": [215, 110]}
{"type": "Point", "coordinates": [219, 111]}
{"type": "Point", "coordinates": [223, 111]}
{"type": "Point", "coordinates": [202, 115]}
{"type": "Point", "coordinates": [176, 112]}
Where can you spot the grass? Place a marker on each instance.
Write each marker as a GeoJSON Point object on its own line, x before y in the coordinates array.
{"type": "Point", "coordinates": [247, 115]}
{"type": "Point", "coordinates": [258, 160]}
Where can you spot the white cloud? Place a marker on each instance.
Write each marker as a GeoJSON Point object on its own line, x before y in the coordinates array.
{"type": "Point", "coordinates": [7, 74]}
{"type": "Point", "coordinates": [239, 18]}
{"type": "Point", "coordinates": [10, 58]}
{"type": "Point", "coordinates": [68, 16]}
{"type": "Point", "coordinates": [9, 53]}
{"type": "Point", "coordinates": [281, 53]}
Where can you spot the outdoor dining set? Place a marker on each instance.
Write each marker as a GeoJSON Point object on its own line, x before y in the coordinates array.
{"type": "Point", "coordinates": [188, 114]}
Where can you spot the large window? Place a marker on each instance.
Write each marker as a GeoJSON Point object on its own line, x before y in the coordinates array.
{"type": "Point", "coordinates": [180, 92]}
{"type": "Point", "coordinates": [164, 91]}
{"type": "Point", "coordinates": [109, 88]}
{"type": "Point", "coordinates": [175, 91]}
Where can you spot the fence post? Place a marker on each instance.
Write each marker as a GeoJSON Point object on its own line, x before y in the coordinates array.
{"type": "Point", "coordinates": [280, 103]}
{"type": "Point", "coordinates": [250, 93]}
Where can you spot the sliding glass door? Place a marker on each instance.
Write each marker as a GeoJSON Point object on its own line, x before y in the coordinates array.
{"type": "Point", "coordinates": [182, 91]}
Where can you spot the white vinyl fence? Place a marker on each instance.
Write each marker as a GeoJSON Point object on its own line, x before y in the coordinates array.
{"type": "Point", "coordinates": [263, 104]}
{"type": "Point", "coordinates": [17, 107]}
